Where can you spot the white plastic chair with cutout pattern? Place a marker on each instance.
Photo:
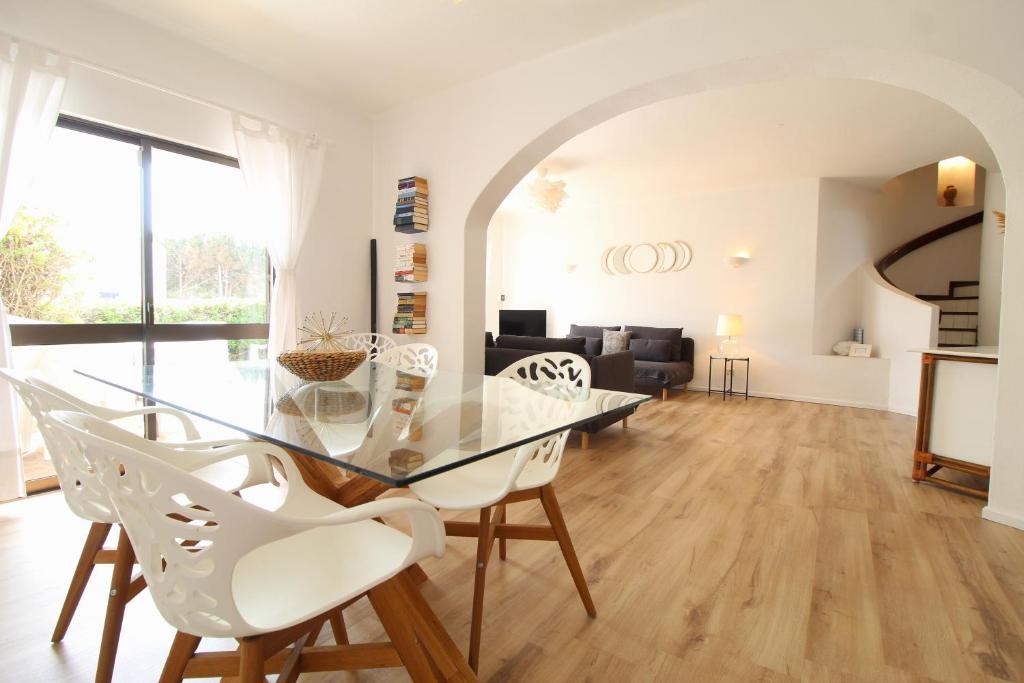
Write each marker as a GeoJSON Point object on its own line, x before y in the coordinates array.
{"type": "Point", "coordinates": [523, 474]}
{"type": "Point", "coordinates": [218, 566]}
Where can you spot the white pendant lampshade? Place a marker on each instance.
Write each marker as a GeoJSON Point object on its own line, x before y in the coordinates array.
{"type": "Point", "coordinates": [729, 325]}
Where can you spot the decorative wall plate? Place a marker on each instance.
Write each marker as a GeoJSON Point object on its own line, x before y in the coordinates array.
{"type": "Point", "coordinates": [646, 257]}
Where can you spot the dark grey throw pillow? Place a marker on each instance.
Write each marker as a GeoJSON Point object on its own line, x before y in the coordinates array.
{"type": "Point", "coordinates": [614, 342]}
{"type": "Point", "coordinates": [594, 345]}
{"type": "Point", "coordinates": [658, 350]}
{"type": "Point", "coordinates": [673, 334]}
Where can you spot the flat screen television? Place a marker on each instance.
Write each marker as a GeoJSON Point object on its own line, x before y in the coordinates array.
{"type": "Point", "coordinates": [523, 323]}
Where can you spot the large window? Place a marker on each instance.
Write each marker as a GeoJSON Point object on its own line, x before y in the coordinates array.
{"type": "Point", "coordinates": [135, 250]}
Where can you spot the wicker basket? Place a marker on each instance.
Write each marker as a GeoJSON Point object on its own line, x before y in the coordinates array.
{"type": "Point", "coordinates": [321, 366]}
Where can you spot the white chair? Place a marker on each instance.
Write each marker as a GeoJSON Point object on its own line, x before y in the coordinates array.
{"type": "Point", "coordinates": [87, 499]}
{"type": "Point", "coordinates": [374, 344]}
{"type": "Point", "coordinates": [420, 359]}
{"type": "Point", "coordinates": [512, 477]}
{"type": "Point", "coordinates": [218, 566]}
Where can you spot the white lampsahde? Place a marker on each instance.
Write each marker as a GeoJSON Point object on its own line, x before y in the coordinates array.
{"type": "Point", "coordinates": [729, 325]}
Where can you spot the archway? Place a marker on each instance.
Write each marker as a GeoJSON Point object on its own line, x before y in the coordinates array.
{"type": "Point", "coordinates": [995, 108]}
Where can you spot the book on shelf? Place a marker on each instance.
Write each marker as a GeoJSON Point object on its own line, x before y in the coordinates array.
{"type": "Point", "coordinates": [410, 313]}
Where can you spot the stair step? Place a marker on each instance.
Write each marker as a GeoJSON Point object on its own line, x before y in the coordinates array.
{"type": "Point", "coordinates": [959, 329]}
{"type": "Point", "coordinates": [963, 283]}
{"type": "Point", "coordinates": [945, 297]}
{"type": "Point", "coordinates": [942, 313]}
{"type": "Point", "coordinates": [947, 346]}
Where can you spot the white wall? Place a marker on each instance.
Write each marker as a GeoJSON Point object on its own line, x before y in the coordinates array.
{"type": "Point", "coordinates": [774, 292]}
{"type": "Point", "coordinates": [161, 88]}
{"type": "Point", "coordinates": [991, 263]}
{"type": "Point", "coordinates": [896, 323]}
{"type": "Point", "coordinates": [851, 224]}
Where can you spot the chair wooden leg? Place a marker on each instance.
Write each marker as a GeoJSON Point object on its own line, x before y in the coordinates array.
{"type": "Point", "coordinates": [502, 543]}
{"type": "Point", "coordinates": [664, 393]}
{"type": "Point", "coordinates": [338, 627]}
{"type": "Point", "coordinates": [97, 535]}
{"type": "Point", "coordinates": [124, 562]}
{"type": "Point", "coordinates": [585, 440]}
{"type": "Point", "coordinates": [250, 664]}
{"type": "Point", "coordinates": [485, 542]}
{"type": "Point", "coordinates": [625, 422]}
{"type": "Point", "coordinates": [182, 649]}
{"type": "Point", "coordinates": [554, 513]}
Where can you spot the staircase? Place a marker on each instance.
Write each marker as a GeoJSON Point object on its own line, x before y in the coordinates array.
{"type": "Point", "coordinates": [958, 317]}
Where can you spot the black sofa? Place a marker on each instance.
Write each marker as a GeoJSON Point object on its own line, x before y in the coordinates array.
{"type": "Point", "coordinates": [614, 371]}
{"type": "Point", "coordinates": [663, 357]}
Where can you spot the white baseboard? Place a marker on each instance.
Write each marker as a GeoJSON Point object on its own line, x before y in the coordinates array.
{"type": "Point", "coordinates": [809, 399]}
{"type": "Point", "coordinates": [1016, 521]}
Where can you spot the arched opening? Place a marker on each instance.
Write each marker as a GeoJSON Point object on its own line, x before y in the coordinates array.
{"type": "Point", "coordinates": [809, 174]}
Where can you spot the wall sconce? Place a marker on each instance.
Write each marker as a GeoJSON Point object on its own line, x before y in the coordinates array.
{"type": "Point", "coordinates": [955, 186]}
{"type": "Point", "coordinates": [738, 259]}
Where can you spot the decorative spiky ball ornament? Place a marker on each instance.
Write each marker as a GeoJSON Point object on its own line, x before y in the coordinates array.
{"type": "Point", "coordinates": [320, 333]}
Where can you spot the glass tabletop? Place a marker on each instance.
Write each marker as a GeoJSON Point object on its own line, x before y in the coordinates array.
{"type": "Point", "coordinates": [381, 422]}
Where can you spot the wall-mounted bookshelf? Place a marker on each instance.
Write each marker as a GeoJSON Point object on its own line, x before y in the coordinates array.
{"type": "Point", "coordinates": [412, 217]}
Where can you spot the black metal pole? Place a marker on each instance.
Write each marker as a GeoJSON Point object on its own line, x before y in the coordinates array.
{"type": "Point", "coordinates": [373, 285]}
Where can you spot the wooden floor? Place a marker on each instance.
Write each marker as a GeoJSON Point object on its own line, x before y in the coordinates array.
{"type": "Point", "coordinates": [737, 541]}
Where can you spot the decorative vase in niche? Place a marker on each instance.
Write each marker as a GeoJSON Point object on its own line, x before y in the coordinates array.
{"type": "Point", "coordinates": [949, 194]}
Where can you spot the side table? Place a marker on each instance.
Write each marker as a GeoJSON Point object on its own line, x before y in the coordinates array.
{"type": "Point", "coordinates": [728, 374]}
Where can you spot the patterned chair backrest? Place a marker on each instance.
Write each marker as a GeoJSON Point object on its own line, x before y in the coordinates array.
{"type": "Point", "coordinates": [560, 375]}
{"type": "Point", "coordinates": [372, 343]}
{"type": "Point", "coordinates": [82, 490]}
{"type": "Point", "coordinates": [188, 535]}
{"type": "Point", "coordinates": [420, 359]}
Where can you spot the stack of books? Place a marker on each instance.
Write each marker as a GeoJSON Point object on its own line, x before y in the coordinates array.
{"type": "Point", "coordinates": [411, 207]}
{"type": "Point", "coordinates": [411, 315]}
{"type": "Point", "coordinates": [411, 262]}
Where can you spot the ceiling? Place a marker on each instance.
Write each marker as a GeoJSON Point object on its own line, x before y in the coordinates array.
{"type": "Point", "coordinates": [376, 53]}
{"type": "Point", "coordinates": [807, 128]}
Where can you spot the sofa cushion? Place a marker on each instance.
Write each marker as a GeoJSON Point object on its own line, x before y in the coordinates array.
{"type": "Point", "coordinates": [614, 342]}
{"type": "Point", "coordinates": [673, 334]}
{"type": "Point", "coordinates": [594, 335]}
{"type": "Point", "coordinates": [541, 344]}
{"type": "Point", "coordinates": [659, 350]}
{"type": "Point", "coordinates": [594, 345]}
{"type": "Point", "coordinates": [662, 374]}
{"type": "Point", "coordinates": [596, 331]}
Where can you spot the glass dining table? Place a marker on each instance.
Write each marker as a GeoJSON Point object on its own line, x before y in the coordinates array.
{"type": "Point", "coordinates": [380, 428]}
{"type": "Point", "coordinates": [390, 426]}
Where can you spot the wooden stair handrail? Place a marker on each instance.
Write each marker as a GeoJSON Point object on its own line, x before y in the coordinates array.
{"type": "Point", "coordinates": [884, 263]}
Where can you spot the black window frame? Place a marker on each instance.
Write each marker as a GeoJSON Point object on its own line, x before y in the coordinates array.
{"type": "Point", "coordinates": [147, 331]}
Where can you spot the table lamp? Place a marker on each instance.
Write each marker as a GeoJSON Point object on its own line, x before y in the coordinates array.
{"type": "Point", "coordinates": [729, 325]}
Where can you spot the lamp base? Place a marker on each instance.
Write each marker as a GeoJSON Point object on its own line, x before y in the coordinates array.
{"type": "Point", "coordinates": [729, 347]}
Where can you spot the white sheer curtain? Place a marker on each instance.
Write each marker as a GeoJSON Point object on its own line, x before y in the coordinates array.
{"type": "Point", "coordinates": [32, 83]}
{"type": "Point", "coordinates": [282, 171]}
